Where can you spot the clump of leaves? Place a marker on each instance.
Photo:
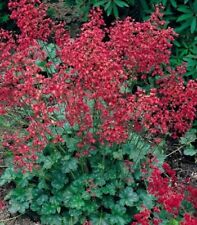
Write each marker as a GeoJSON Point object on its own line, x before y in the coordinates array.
{"type": "Point", "coordinates": [106, 185]}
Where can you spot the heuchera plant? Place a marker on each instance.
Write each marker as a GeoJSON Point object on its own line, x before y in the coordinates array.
{"type": "Point", "coordinates": [88, 80]}
{"type": "Point", "coordinates": [77, 98]}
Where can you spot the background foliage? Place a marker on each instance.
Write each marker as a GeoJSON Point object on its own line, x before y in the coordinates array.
{"type": "Point", "coordinates": [181, 15]}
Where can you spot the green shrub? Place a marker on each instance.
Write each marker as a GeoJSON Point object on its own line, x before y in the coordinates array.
{"type": "Point", "coordinates": [66, 189]}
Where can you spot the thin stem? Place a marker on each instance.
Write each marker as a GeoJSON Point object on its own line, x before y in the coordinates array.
{"type": "Point", "coordinates": [3, 166]}
{"type": "Point", "coordinates": [9, 219]}
{"type": "Point", "coordinates": [176, 150]}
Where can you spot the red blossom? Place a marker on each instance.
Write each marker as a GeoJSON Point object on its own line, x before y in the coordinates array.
{"type": "Point", "coordinates": [192, 195]}
{"type": "Point", "coordinates": [142, 217]}
{"type": "Point", "coordinates": [189, 220]}
{"type": "Point", "coordinates": [2, 204]}
{"type": "Point", "coordinates": [167, 192]}
{"type": "Point", "coordinates": [169, 109]}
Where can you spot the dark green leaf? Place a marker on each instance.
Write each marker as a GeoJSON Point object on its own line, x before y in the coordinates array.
{"type": "Point", "coordinates": [147, 199]}
{"type": "Point", "coordinates": [77, 202]}
{"type": "Point", "coordinates": [16, 206]}
{"type": "Point", "coordinates": [115, 11]}
{"type": "Point", "coordinates": [190, 150]}
{"type": "Point", "coordinates": [185, 9]}
{"type": "Point", "coordinates": [193, 25]}
{"type": "Point", "coordinates": [41, 199]}
{"type": "Point", "coordinates": [185, 17]}
{"type": "Point", "coordinates": [108, 6]}
{"type": "Point", "coordinates": [100, 3]}
{"type": "Point", "coordinates": [144, 5]}
{"type": "Point", "coordinates": [173, 3]}
{"type": "Point", "coordinates": [51, 219]}
{"type": "Point", "coordinates": [121, 3]}
{"type": "Point", "coordinates": [128, 197]}
{"type": "Point", "coordinates": [109, 10]}
{"type": "Point", "coordinates": [183, 26]}
{"type": "Point", "coordinates": [48, 209]}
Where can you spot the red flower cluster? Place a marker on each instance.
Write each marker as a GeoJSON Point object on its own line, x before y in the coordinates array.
{"type": "Point", "coordinates": [31, 18]}
{"type": "Point", "coordinates": [192, 195]}
{"type": "Point", "coordinates": [142, 217]}
{"type": "Point", "coordinates": [168, 193]}
{"type": "Point", "coordinates": [169, 109]}
{"type": "Point", "coordinates": [189, 220]}
{"type": "Point", "coordinates": [2, 204]}
{"type": "Point", "coordinates": [85, 84]}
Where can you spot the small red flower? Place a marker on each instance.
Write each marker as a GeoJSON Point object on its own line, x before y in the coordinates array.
{"type": "Point", "coordinates": [2, 204]}
{"type": "Point", "coordinates": [189, 220]}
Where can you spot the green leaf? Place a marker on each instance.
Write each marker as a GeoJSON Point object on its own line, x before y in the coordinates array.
{"type": "Point", "coordinates": [51, 219]}
{"type": "Point", "coordinates": [16, 206]}
{"type": "Point", "coordinates": [173, 222]}
{"type": "Point", "coordinates": [128, 197]}
{"type": "Point", "coordinates": [121, 3]}
{"type": "Point", "coordinates": [164, 2]}
{"type": "Point", "coordinates": [101, 220]}
{"type": "Point", "coordinates": [176, 43]}
{"type": "Point", "coordinates": [185, 17]}
{"type": "Point", "coordinates": [41, 63]}
{"type": "Point", "coordinates": [7, 176]}
{"type": "Point", "coordinates": [147, 199]}
{"type": "Point", "coordinates": [4, 18]}
{"type": "Point", "coordinates": [108, 6]}
{"type": "Point", "coordinates": [48, 163]}
{"type": "Point", "coordinates": [195, 6]}
{"type": "Point", "coordinates": [184, 9]}
{"type": "Point", "coordinates": [100, 3]}
{"type": "Point", "coordinates": [193, 25]}
{"type": "Point", "coordinates": [41, 199]}
{"type": "Point", "coordinates": [58, 180]}
{"type": "Point", "coordinates": [69, 165]}
{"type": "Point", "coordinates": [77, 202]}
{"type": "Point", "coordinates": [109, 189]}
{"type": "Point", "coordinates": [118, 155]}
{"type": "Point", "coordinates": [118, 215]}
{"type": "Point", "coordinates": [144, 5]}
{"type": "Point", "coordinates": [183, 26]}
{"type": "Point", "coordinates": [173, 3]}
{"type": "Point", "coordinates": [48, 209]}
{"type": "Point", "coordinates": [115, 11]}
{"type": "Point", "coordinates": [189, 137]}
{"type": "Point", "coordinates": [57, 130]}
{"type": "Point", "coordinates": [190, 150]}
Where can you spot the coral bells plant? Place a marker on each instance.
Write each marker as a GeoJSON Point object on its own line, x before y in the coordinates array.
{"type": "Point", "coordinates": [88, 80]}
{"type": "Point", "coordinates": [76, 116]}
